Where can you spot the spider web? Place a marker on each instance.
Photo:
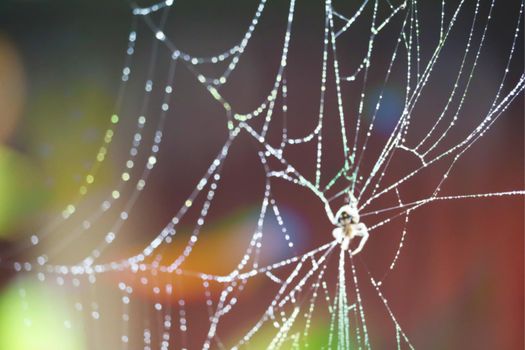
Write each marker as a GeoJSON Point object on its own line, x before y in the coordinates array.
{"type": "Point", "coordinates": [351, 151]}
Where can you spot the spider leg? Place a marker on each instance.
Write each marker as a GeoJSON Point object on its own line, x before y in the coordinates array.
{"type": "Point", "coordinates": [362, 232]}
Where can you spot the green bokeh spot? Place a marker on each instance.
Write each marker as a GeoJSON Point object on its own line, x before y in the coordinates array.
{"type": "Point", "coordinates": [46, 312]}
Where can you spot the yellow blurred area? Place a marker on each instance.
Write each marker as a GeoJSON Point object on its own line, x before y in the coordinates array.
{"type": "Point", "coordinates": [61, 132]}
{"type": "Point", "coordinates": [65, 127]}
{"type": "Point", "coordinates": [22, 190]}
{"type": "Point", "coordinates": [34, 317]}
{"type": "Point", "coordinates": [12, 88]}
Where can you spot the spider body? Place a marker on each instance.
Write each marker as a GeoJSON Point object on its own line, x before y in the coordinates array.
{"type": "Point", "coordinates": [348, 227]}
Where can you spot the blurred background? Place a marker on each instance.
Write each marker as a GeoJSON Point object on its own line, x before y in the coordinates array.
{"type": "Point", "coordinates": [459, 281]}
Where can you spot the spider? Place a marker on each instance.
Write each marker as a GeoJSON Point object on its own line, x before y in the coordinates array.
{"type": "Point", "coordinates": [348, 226]}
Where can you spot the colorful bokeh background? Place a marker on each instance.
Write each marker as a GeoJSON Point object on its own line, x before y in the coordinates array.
{"type": "Point", "coordinates": [459, 282]}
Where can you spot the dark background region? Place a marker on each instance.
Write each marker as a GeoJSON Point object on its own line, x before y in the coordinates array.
{"type": "Point", "coordinates": [459, 281]}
